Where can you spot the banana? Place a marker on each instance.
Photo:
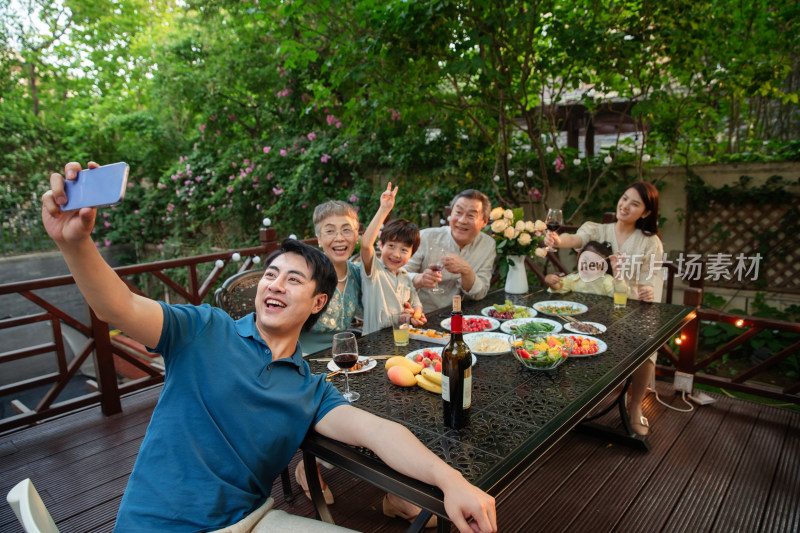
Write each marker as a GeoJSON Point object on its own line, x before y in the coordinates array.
{"type": "Point", "coordinates": [423, 382]}
{"type": "Point", "coordinates": [432, 375]}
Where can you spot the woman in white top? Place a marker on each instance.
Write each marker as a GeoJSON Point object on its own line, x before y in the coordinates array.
{"type": "Point", "coordinates": [635, 234]}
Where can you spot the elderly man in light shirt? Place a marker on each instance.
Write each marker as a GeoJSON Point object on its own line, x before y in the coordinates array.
{"type": "Point", "coordinates": [469, 254]}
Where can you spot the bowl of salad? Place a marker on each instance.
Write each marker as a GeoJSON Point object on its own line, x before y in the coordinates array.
{"type": "Point", "coordinates": [508, 311]}
{"type": "Point", "coordinates": [541, 352]}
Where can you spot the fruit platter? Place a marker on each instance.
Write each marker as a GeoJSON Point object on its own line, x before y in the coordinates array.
{"type": "Point", "coordinates": [429, 335]}
{"type": "Point", "coordinates": [428, 358]}
{"type": "Point", "coordinates": [508, 311]}
{"type": "Point", "coordinates": [405, 372]}
{"type": "Point", "coordinates": [420, 368]}
{"type": "Point", "coordinates": [474, 323]}
{"type": "Point", "coordinates": [541, 352]}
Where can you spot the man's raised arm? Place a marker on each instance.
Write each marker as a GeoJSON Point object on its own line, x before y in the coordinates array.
{"type": "Point", "coordinates": [108, 296]}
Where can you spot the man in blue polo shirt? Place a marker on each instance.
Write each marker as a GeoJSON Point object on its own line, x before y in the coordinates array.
{"type": "Point", "coordinates": [238, 397]}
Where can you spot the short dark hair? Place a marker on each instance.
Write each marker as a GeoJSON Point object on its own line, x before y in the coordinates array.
{"type": "Point", "coordinates": [401, 230]}
{"type": "Point", "coordinates": [474, 194]}
{"type": "Point", "coordinates": [602, 249]}
{"type": "Point", "coordinates": [322, 272]}
{"type": "Point", "coordinates": [649, 194]}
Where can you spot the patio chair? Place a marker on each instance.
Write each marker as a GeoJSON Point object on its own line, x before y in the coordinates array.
{"type": "Point", "coordinates": [30, 509]}
{"type": "Point", "coordinates": [237, 297]}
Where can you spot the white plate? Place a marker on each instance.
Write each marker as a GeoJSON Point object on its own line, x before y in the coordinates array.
{"type": "Point", "coordinates": [485, 312]}
{"type": "Point", "coordinates": [424, 338]}
{"type": "Point", "coordinates": [601, 345]}
{"type": "Point", "coordinates": [410, 355]}
{"type": "Point", "coordinates": [493, 321]}
{"type": "Point", "coordinates": [507, 325]}
{"type": "Point", "coordinates": [369, 366]}
{"type": "Point", "coordinates": [470, 339]}
{"type": "Point", "coordinates": [569, 326]}
{"type": "Point", "coordinates": [579, 308]}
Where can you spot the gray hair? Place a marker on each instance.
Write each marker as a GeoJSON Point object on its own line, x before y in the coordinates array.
{"type": "Point", "coordinates": [331, 209]}
{"type": "Point", "coordinates": [473, 194]}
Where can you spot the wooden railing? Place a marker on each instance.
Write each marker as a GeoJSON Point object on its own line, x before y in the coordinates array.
{"type": "Point", "coordinates": [98, 336]}
{"type": "Point", "coordinates": [688, 359]}
{"type": "Point", "coordinates": [109, 389]}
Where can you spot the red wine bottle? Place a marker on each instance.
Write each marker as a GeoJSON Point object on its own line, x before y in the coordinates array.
{"type": "Point", "coordinates": [456, 372]}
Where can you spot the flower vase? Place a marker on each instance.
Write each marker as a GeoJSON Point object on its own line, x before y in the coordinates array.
{"type": "Point", "coordinates": [517, 277]}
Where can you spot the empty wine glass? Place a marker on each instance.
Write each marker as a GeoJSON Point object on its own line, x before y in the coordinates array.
{"type": "Point", "coordinates": [345, 355]}
{"type": "Point", "coordinates": [436, 255]}
{"type": "Point", "coordinates": [554, 221]}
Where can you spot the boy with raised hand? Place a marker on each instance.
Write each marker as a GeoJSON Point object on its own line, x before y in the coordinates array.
{"type": "Point", "coordinates": [385, 284]}
{"type": "Point", "coordinates": [238, 398]}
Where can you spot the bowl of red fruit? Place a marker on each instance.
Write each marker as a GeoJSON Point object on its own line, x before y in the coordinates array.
{"type": "Point", "coordinates": [431, 358]}
{"type": "Point", "coordinates": [474, 323]}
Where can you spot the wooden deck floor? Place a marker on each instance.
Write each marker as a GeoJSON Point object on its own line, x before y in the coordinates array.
{"type": "Point", "coordinates": [731, 466]}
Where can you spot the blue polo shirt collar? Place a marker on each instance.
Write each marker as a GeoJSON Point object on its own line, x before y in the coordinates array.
{"type": "Point", "coordinates": [246, 327]}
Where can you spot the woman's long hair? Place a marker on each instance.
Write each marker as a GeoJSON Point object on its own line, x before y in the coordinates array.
{"type": "Point", "coordinates": [649, 194]}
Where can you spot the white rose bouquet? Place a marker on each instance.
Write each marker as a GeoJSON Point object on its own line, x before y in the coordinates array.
{"type": "Point", "coordinates": [515, 236]}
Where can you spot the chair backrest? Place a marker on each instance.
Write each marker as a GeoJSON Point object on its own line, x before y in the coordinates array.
{"type": "Point", "coordinates": [30, 509]}
{"type": "Point", "coordinates": [237, 296]}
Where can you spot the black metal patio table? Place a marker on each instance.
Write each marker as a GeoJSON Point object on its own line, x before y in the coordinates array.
{"type": "Point", "coordinates": [516, 415]}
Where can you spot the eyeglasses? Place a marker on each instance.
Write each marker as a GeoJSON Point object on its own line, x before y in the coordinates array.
{"type": "Point", "coordinates": [330, 233]}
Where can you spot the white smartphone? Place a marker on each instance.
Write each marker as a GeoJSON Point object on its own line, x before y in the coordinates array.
{"type": "Point", "coordinates": [96, 187]}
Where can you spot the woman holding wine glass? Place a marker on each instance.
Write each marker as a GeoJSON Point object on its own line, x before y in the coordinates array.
{"type": "Point", "coordinates": [635, 234]}
{"type": "Point", "coordinates": [554, 220]}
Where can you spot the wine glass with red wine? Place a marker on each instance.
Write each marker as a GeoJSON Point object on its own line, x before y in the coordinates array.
{"type": "Point", "coordinates": [345, 355]}
{"type": "Point", "coordinates": [436, 255]}
{"type": "Point", "coordinates": [554, 221]}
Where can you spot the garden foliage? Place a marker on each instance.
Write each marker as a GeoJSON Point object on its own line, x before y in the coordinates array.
{"type": "Point", "coordinates": [232, 111]}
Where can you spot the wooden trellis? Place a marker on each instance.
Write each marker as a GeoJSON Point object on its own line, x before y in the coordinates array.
{"type": "Point", "coordinates": [736, 233]}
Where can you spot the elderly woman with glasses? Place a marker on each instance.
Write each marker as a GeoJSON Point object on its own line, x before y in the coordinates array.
{"type": "Point", "coordinates": [336, 226]}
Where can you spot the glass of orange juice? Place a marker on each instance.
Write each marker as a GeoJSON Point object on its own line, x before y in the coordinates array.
{"type": "Point", "coordinates": [401, 324]}
{"type": "Point", "coordinates": [620, 293]}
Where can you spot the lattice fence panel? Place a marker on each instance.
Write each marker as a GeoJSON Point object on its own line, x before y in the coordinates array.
{"type": "Point", "coordinates": [721, 233]}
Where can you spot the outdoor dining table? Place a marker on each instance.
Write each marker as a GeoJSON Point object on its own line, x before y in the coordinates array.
{"type": "Point", "coordinates": [516, 415]}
